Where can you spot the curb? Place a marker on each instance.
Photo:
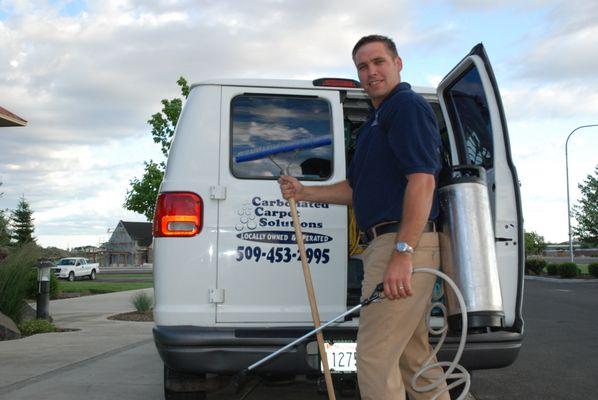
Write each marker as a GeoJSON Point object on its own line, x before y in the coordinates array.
{"type": "Point", "coordinates": [558, 280]}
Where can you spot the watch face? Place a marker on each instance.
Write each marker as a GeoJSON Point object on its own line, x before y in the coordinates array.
{"type": "Point", "coordinates": [403, 247]}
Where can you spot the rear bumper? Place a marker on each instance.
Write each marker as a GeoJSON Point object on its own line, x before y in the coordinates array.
{"type": "Point", "coordinates": [483, 350]}
{"type": "Point", "coordinates": [229, 350]}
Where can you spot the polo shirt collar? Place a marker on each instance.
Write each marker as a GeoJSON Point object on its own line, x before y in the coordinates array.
{"type": "Point", "coordinates": [399, 88]}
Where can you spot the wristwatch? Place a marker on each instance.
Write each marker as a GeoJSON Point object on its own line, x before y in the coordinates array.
{"type": "Point", "coordinates": [403, 247]}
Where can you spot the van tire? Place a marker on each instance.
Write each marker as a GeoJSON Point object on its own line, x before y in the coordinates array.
{"type": "Point", "coordinates": [92, 276]}
{"type": "Point", "coordinates": [175, 379]}
{"type": "Point", "coordinates": [71, 277]}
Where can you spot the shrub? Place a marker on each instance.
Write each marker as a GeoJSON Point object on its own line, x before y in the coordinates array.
{"type": "Point", "coordinates": [32, 285]}
{"type": "Point", "coordinates": [34, 326]}
{"type": "Point", "coordinates": [142, 302]}
{"type": "Point", "coordinates": [13, 280]}
{"type": "Point", "coordinates": [593, 269]}
{"type": "Point", "coordinates": [568, 270]}
{"type": "Point", "coordinates": [535, 265]}
{"type": "Point", "coordinates": [552, 269]}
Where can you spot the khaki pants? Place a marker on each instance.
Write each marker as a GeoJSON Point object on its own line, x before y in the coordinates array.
{"type": "Point", "coordinates": [392, 342]}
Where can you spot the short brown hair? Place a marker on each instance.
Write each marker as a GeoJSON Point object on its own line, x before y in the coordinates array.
{"type": "Point", "coordinates": [390, 45]}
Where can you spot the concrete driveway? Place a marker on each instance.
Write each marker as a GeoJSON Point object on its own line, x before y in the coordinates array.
{"type": "Point", "coordinates": [101, 360]}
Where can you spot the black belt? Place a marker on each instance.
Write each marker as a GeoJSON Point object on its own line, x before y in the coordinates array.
{"type": "Point", "coordinates": [389, 227]}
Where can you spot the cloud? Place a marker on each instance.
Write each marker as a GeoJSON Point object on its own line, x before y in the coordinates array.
{"type": "Point", "coordinates": [476, 5]}
{"type": "Point", "coordinates": [87, 77]}
{"type": "Point", "coordinates": [563, 50]}
{"type": "Point", "coordinates": [550, 100]}
{"type": "Point", "coordinates": [76, 190]}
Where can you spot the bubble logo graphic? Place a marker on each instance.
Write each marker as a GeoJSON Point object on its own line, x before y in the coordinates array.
{"type": "Point", "coordinates": [246, 218]}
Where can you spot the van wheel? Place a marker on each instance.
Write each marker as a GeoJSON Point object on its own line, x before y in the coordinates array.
{"type": "Point", "coordinates": [92, 276]}
{"type": "Point", "coordinates": [71, 276]}
{"type": "Point", "coordinates": [177, 385]}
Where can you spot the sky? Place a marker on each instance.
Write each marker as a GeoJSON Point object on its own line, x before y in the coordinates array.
{"type": "Point", "coordinates": [87, 75]}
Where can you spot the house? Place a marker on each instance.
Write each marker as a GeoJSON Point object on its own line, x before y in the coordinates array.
{"type": "Point", "coordinates": [129, 245]}
{"type": "Point", "coordinates": [9, 119]}
{"type": "Point", "coordinates": [92, 253]}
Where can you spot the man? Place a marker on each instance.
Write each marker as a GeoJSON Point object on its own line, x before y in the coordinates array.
{"type": "Point", "coordinates": [391, 185]}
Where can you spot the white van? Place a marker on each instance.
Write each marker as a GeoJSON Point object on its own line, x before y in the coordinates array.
{"type": "Point", "coordinates": [228, 283]}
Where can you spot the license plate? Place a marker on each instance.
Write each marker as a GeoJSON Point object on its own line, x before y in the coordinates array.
{"type": "Point", "coordinates": [341, 357]}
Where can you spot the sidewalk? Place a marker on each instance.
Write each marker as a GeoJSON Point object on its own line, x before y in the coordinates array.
{"type": "Point", "coordinates": [32, 359]}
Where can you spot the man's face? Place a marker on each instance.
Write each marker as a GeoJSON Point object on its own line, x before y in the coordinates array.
{"type": "Point", "coordinates": [379, 72]}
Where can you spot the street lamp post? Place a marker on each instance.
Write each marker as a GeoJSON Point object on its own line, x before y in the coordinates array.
{"type": "Point", "coordinates": [568, 201]}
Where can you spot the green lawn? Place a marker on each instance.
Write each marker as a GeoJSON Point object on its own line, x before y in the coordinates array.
{"type": "Point", "coordinates": [92, 287]}
{"type": "Point", "coordinates": [583, 268]}
{"type": "Point", "coordinates": [121, 276]}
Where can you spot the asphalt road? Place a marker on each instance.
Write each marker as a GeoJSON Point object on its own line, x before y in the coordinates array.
{"type": "Point", "coordinates": [559, 356]}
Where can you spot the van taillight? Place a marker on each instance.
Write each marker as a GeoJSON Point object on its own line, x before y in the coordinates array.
{"type": "Point", "coordinates": [336, 82]}
{"type": "Point", "coordinates": [178, 214]}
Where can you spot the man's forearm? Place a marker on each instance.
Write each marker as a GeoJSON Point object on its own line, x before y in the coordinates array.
{"type": "Point", "coordinates": [337, 193]}
{"type": "Point", "coordinates": [417, 204]}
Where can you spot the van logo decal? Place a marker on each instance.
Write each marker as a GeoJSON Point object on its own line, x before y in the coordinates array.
{"type": "Point", "coordinates": [272, 214]}
{"type": "Point", "coordinates": [285, 237]}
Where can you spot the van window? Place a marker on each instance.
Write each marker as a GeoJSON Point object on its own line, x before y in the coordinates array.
{"type": "Point", "coordinates": [272, 133]}
{"type": "Point", "coordinates": [446, 159]}
{"type": "Point", "coordinates": [468, 110]}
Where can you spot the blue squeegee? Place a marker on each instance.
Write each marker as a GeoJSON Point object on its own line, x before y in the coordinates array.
{"type": "Point", "coordinates": [265, 151]}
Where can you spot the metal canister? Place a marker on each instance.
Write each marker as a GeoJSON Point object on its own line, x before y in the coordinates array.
{"type": "Point", "coordinates": [468, 250]}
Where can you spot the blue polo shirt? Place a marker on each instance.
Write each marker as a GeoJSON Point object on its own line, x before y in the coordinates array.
{"type": "Point", "coordinates": [400, 138]}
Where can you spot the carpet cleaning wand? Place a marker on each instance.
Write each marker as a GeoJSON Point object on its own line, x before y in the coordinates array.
{"type": "Point", "coordinates": [240, 377]}
{"type": "Point", "coordinates": [461, 377]}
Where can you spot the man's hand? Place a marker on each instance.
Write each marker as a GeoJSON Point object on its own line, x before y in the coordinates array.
{"type": "Point", "coordinates": [290, 187]}
{"type": "Point", "coordinates": [397, 277]}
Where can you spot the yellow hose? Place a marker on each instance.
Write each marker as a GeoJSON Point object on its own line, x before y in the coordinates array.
{"type": "Point", "coordinates": [354, 247]}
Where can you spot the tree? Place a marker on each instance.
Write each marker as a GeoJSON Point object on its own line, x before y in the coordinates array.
{"type": "Point", "coordinates": [22, 223]}
{"type": "Point", "coordinates": [534, 243]}
{"type": "Point", "coordinates": [4, 226]}
{"type": "Point", "coordinates": [4, 230]}
{"type": "Point", "coordinates": [141, 197]}
{"type": "Point", "coordinates": [586, 211]}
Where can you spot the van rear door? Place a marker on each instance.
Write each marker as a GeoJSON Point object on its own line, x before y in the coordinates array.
{"type": "Point", "coordinates": [265, 131]}
{"type": "Point", "coordinates": [477, 128]}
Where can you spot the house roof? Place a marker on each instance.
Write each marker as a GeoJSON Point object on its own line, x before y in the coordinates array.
{"type": "Point", "coordinates": [139, 231]}
{"type": "Point", "coordinates": [9, 119]}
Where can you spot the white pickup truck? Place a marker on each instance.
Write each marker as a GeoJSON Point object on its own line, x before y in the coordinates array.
{"type": "Point", "coordinates": [74, 267]}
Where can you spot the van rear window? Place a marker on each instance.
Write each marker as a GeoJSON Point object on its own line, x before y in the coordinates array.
{"type": "Point", "coordinates": [275, 134]}
{"type": "Point", "coordinates": [470, 114]}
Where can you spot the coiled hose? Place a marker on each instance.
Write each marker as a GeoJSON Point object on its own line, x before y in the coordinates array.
{"type": "Point", "coordinates": [460, 376]}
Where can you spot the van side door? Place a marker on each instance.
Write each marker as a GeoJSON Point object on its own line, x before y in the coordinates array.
{"type": "Point", "coordinates": [477, 128]}
{"type": "Point", "coordinates": [266, 132]}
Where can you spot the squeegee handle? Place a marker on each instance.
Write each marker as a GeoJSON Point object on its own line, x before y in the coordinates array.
{"type": "Point", "coordinates": [313, 304]}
